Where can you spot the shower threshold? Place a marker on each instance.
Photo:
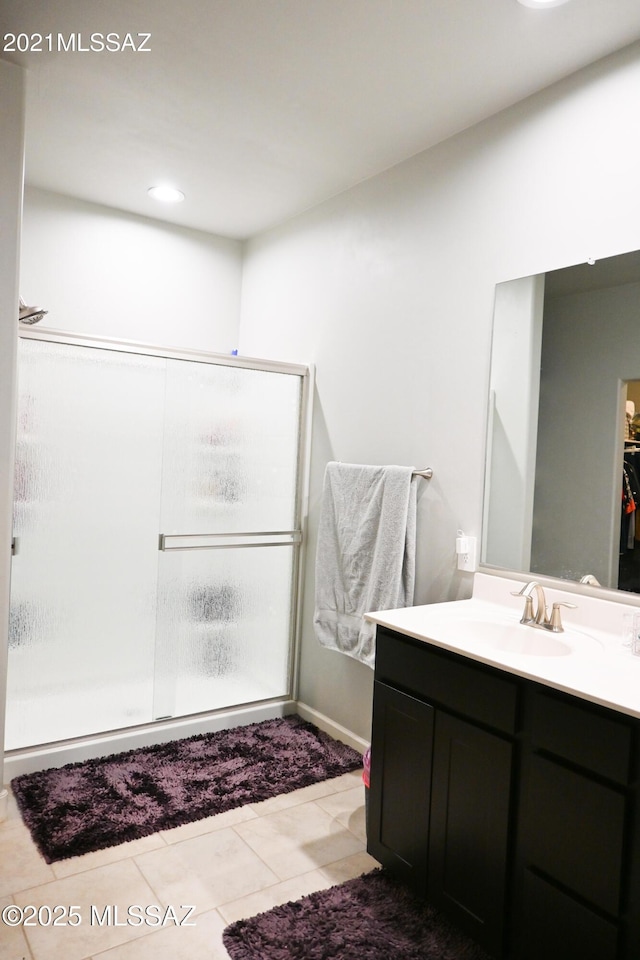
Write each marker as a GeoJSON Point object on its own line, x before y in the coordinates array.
{"type": "Point", "coordinates": [58, 753]}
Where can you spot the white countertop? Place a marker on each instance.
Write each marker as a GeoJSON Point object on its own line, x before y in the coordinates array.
{"type": "Point", "coordinates": [598, 668]}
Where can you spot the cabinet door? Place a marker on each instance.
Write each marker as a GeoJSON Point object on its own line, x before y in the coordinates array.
{"type": "Point", "coordinates": [469, 828]}
{"type": "Point", "coordinates": [401, 753]}
{"type": "Point", "coordinates": [557, 927]}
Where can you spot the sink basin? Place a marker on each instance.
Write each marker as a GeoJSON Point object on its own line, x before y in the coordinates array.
{"type": "Point", "coordinates": [518, 638]}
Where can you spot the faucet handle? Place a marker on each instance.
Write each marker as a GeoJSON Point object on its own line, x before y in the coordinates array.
{"type": "Point", "coordinates": [591, 580]}
{"type": "Point", "coordinates": [555, 623]}
{"type": "Point", "coordinates": [528, 588]}
{"type": "Point", "coordinates": [525, 591]}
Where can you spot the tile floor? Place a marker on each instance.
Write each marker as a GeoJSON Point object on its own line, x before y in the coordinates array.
{"type": "Point", "coordinates": [227, 867]}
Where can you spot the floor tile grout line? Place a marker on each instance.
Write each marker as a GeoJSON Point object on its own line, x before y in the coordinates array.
{"type": "Point", "coordinates": [270, 866]}
{"type": "Point", "coordinates": [159, 900]}
{"type": "Point", "coordinates": [28, 945]}
{"type": "Point", "coordinates": [323, 869]}
{"type": "Point", "coordinates": [96, 866]}
{"type": "Point", "coordinates": [13, 897]}
{"type": "Point", "coordinates": [297, 875]}
{"type": "Point", "coordinates": [145, 880]}
{"type": "Point", "coordinates": [261, 859]}
{"type": "Point", "coordinates": [25, 937]}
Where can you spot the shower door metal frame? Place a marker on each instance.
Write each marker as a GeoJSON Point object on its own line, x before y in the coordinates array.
{"type": "Point", "coordinates": [297, 537]}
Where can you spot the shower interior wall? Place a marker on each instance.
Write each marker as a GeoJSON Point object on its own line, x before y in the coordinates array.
{"type": "Point", "coordinates": [104, 273]}
{"type": "Point", "coordinates": [389, 290]}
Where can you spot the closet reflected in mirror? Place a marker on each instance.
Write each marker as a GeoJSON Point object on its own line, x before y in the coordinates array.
{"type": "Point", "coordinates": [629, 570]}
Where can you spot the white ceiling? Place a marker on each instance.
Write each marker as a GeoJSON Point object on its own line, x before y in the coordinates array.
{"type": "Point", "coordinates": [259, 109]}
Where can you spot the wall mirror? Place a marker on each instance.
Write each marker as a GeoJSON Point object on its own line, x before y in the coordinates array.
{"type": "Point", "coordinates": [563, 439]}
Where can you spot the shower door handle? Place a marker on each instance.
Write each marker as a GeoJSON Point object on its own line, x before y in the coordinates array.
{"type": "Point", "coordinates": [218, 541]}
{"type": "Point", "coordinates": [15, 546]}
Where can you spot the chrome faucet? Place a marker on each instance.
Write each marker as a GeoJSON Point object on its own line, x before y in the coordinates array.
{"type": "Point", "coordinates": [540, 614]}
{"type": "Point", "coordinates": [540, 618]}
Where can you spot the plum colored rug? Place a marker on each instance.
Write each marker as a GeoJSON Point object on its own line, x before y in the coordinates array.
{"type": "Point", "coordinates": [106, 801]}
{"type": "Point", "coordinates": [372, 918]}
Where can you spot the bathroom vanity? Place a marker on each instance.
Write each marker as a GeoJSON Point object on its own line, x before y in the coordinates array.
{"type": "Point", "coordinates": [504, 772]}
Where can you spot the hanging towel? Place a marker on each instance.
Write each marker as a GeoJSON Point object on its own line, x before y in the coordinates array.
{"type": "Point", "coordinates": [366, 552]}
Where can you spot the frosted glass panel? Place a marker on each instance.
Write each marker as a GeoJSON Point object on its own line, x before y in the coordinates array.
{"type": "Point", "coordinates": [84, 580]}
{"type": "Point", "coordinates": [114, 449]}
{"type": "Point", "coordinates": [231, 449]}
{"type": "Point", "coordinates": [224, 628]}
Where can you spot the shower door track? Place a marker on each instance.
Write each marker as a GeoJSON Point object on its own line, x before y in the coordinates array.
{"type": "Point", "coordinates": [170, 353]}
{"type": "Point", "coordinates": [22, 759]}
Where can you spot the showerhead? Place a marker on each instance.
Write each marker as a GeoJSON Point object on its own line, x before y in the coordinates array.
{"type": "Point", "coordinates": [30, 314]}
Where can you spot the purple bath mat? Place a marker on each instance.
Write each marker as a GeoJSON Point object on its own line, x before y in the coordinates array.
{"type": "Point", "coordinates": [106, 801]}
{"type": "Point", "coordinates": [372, 918]}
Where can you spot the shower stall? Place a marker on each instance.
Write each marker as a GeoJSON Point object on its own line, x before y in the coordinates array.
{"type": "Point", "coordinates": [159, 507]}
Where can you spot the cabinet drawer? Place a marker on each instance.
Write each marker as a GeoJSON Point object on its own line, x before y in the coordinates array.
{"type": "Point", "coordinates": [462, 686]}
{"type": "Point", "coordinates": [556, 927]}
{"type": "Point", "coordinates": [581, 734]}
{"type": "Point", "coordinates": [574, 831]}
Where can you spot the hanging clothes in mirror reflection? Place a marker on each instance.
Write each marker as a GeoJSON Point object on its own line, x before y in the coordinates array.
{"type": "Point", "coordinates": [629, 568]}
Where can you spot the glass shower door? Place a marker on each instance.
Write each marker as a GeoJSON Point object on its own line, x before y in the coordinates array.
{"type": "Point", "coordinates": [230, 535]}
{"type": "Point", "coordinates": [84, 574]}
{"type": "Point", "coordinates": [120, 452]}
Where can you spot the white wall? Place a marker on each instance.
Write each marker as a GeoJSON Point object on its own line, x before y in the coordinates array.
{"type": "Point", "coordinates": [101, 272]}
{"type": "Point", "coordinates": [389, 290]}
{"type": "Point", "coordinates": [11, 176]}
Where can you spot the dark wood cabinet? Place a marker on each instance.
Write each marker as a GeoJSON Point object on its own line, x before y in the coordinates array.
{"type": "Point", "coordinates": [575, 820]}
{"type": "Point", "coordinates": [441, 782]}
{"type": "Point", "coordinates": [400, 792]}
{"type": "Point", "coordinates": [469, 835]}
{"type": "Point", "coordinates": [513, 808]}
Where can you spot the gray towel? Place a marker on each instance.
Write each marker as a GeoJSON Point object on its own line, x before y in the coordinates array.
{"type": "Point", "coordinates": [366, 553]}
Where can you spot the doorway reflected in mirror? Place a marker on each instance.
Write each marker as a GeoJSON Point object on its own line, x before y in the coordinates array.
{"type": "Point", "coordinates": [629, 570]}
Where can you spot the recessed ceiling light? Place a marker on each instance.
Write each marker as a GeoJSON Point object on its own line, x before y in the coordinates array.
{"type": "Point", "coordinates": [166, 194]}
{"type": "Point", "coordinates": [540, 4]}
